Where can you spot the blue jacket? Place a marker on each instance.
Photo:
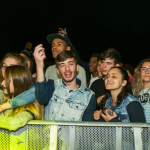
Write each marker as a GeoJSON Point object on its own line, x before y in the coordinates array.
{"type": "Point", "coordinates": [121, 109]}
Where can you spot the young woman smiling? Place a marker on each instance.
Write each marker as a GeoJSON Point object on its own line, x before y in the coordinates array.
{"type": "Point", "coordinates": [119, 104]}
{"type": "Point", "coordinates": [141, 86]}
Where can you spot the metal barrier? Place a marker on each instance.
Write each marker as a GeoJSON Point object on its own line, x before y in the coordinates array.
{"type": "Point", "coordinates": [50, 135]}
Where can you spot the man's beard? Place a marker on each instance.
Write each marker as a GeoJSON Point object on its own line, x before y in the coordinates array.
{"type": "Point", "coordinates": [75, 74]}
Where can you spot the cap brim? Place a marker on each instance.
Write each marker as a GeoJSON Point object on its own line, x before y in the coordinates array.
{"type": "Point", "coordinates": [51, 37]}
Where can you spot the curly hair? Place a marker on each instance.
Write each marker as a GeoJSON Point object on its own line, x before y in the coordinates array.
{"type": "Point", "coordinates": [123, 94]}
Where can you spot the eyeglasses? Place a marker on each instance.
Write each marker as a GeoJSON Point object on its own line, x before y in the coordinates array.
{"type": "Point", "coordinates": [143, 69]}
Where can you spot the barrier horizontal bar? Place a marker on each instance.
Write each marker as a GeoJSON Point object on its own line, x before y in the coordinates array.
{"type": "Point", "coordinates": [86, 123]}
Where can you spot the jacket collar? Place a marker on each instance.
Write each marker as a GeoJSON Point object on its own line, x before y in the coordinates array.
{"type": "Point", "coordinates": [118, 105]}
{"type": "Point", "coordinates": [80, 88]}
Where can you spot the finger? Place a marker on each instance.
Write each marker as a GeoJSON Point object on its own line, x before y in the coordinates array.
{"type": "Point", "coordinates": [38, 50]}
{"type": "Point", "coordinates": [60, 29]}
{"type": "Point", "coordinates": [40, 55]}
{"type": "Point", "coordinates": [106, 113]}
{"type": "Point", "coordinates": [103, 116]}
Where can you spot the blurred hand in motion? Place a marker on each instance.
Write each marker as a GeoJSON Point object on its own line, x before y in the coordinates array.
{"type": "Point", "coordinates": [97, 114]}
{"type": "Point", "coordinates": [107, 117]}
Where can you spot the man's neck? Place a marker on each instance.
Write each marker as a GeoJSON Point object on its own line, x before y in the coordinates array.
{"type": "Point", "coordinates": [72, 85]}
{"type": "Point", "coordinates": [94, 74]}
{"type": "Point", "coordinates": [146, 85]}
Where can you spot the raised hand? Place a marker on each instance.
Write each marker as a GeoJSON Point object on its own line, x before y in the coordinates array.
{"type": "Point", "coordinates": [61, 30]}
{"type": "Point", "coordinates": [39, 55]}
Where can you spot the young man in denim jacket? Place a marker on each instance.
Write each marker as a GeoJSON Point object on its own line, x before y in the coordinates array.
{"type": "Point", "coordinates": [71, 100]}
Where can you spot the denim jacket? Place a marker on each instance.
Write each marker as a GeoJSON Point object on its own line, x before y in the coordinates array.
{"type": "Point", "coordinates": [121, 109]}
{"type": "Point", "coordinates": [67, 106]}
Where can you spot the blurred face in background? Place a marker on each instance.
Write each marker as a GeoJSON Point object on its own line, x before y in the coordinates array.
{"type": "Point", "coordinates": [58, 45]}
{"type": "Point", "coordinates": [106, 65]}
{"type": "Point", "coordinates": [145, 72]}
{"type": "Point", "coordinates": [8, 62]}
{"type": "Point", "coordinates": [93, 64]}
{"type": "Point", "coordinates": [99, 70]}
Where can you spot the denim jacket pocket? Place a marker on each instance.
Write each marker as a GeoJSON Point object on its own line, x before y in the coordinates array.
{"type": "Point", "coordinates": [77, 106]}
{"type": "Point", "coordinates": [76, 111]}
{"type": "Point", "coordinates": [56, 99]}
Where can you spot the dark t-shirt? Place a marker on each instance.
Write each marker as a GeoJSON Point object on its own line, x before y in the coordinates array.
{"type": "Point", "coordinates": [98, 87]}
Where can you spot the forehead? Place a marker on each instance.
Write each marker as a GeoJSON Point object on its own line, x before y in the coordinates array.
{"type": "Point", "coordinates": [58, 41]}
{"type": "Point", "coordinates": [67, 61]}
{"type": "Point", "coordinates": [114, 71]}
{"type": "Point", "coordinates": [108, 60]}
{"type": "Point", "coordinates": [10, 61]}
{"type": "Point", "coordinates": [146, 64]}
{"type": "Point", "coordinates": [93, 58]}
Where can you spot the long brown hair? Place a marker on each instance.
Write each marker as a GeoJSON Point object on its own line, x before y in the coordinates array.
{"type": "Point", "coordinates": [137, 85]}
{"type": "Point", "coordinates": [21, 61]}
{"type": "Point", "coordinates": [22, 81]}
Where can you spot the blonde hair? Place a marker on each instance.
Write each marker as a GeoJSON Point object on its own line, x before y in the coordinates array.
{"type": "Point", "coordinates": [138, 85]}
{"type": "Point", "coordinates": [22, 81]}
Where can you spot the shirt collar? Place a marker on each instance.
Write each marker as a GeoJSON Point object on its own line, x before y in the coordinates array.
{"type": "Point", "coordinates": [80, 88]}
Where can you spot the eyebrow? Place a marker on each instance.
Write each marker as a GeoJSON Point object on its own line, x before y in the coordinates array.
{"type": "Point", "coordinates": [68, 62]}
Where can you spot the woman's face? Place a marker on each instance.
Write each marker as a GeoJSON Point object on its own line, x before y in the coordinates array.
{"type": "Point", "coordinates": [11, 86]}
{"type": "Point", "coordinates": [113, 80]}
{"type": "Point", "coordinates": [145, 72]}
{"type": "Point", "coordinates": [99, 70]}
{"type": "Point", "coordinates": [8, 62]}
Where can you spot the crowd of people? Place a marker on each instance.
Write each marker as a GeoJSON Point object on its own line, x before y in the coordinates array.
{"type": "Point", "coordinates": [70, 90]}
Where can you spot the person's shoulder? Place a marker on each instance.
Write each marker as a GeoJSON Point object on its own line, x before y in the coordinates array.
{"type": "Point", "coordinates": [85, 89]}
{"type": "Point", "coordinates": [98, 82]}
{"type": "Point", "coordinates": [131, 98]}
{"type": "Point", "coordinates": [51, 67]}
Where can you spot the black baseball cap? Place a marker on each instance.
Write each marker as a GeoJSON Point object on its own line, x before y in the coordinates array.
{"type": "Point", "coordinates": [62, 36]}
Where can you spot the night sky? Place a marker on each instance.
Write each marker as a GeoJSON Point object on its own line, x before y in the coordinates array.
{"type": "Point", "coordinates": [92, 26]}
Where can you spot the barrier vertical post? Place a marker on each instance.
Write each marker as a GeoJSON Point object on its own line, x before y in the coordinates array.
{"type": "Point", "coordinates": [137, 138]}
{"type": "Point", "coordinates": [118, 138]}
{"type": "Point", "coordinates": [71, 137]}
{"type": "Point", "coordinates": [53, 137]}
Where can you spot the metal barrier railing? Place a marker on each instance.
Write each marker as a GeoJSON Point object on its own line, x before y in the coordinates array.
{"type": "Point", "coordinates": [50, 135]}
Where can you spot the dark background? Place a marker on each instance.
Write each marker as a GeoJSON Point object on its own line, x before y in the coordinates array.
{"type": "Point", "coordinates": [92, 26]}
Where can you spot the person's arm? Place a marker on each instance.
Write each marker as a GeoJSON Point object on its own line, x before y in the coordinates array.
{"type": "Point", "coordinates": [88, 113]}
{"type": "Point", "coordinates": [44, 91]}
{"type": "Point", "coordinates": [21, 99]}
{"type": "Point", "coordinates": [15, 122]}
{"type": "Point", "coordinates": [135, 112]}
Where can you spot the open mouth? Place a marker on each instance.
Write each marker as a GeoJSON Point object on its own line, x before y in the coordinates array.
{"type": "Point", "coordinates": [68, 75]}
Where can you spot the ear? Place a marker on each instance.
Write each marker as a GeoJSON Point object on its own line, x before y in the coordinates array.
{"type": "Point", "coordinates": [77, 67]}
{"type": "Point", "coordinates": [68, 48]}
{"type": "Point", "coordinates": [124, 82]}
{"type": "Point", "coordinates": [117, 65]}
{"type": "Point", "coordinates": [57, 71]}
{"type": "Point", "coordinates": [28, 64]}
